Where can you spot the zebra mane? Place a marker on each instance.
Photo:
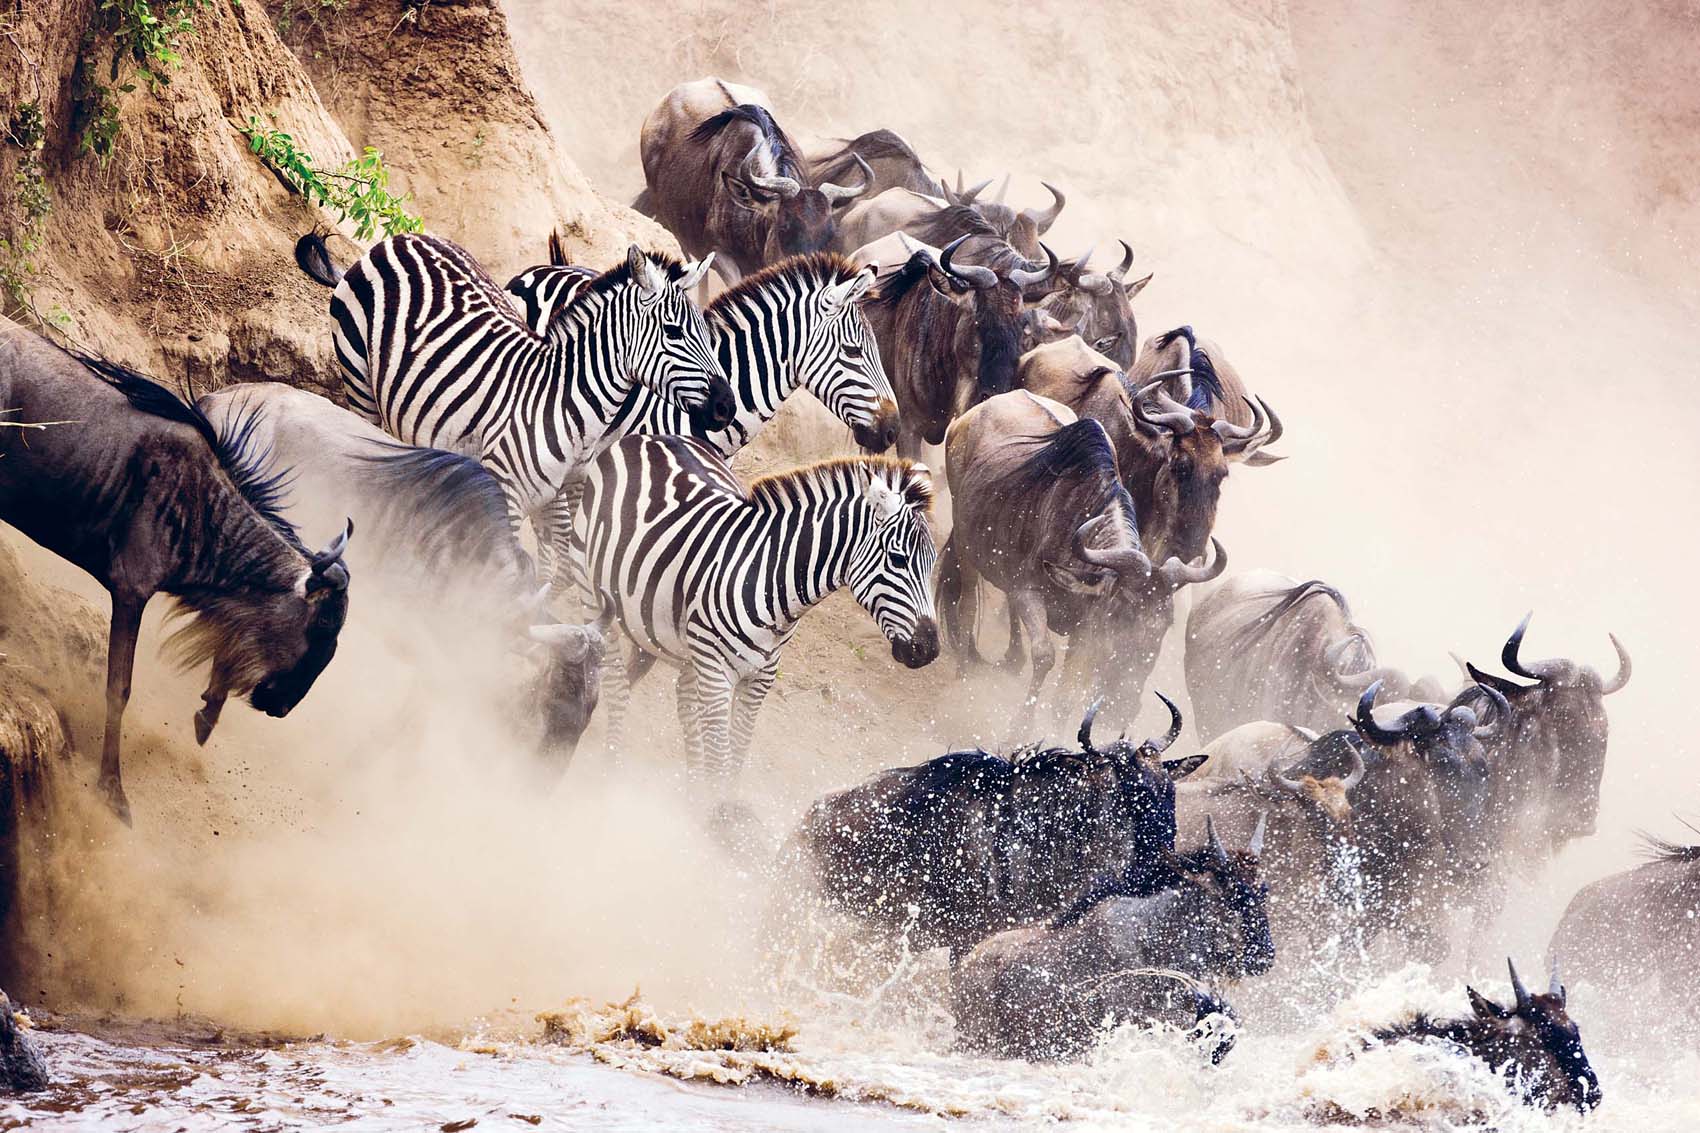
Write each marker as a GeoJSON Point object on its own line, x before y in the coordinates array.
{"type": "Point", "coordinates": [621, 273]}
{"type": "Point", "coordinates": [906, 476]}
{"type": "Point", "coordinates": [811, 269]}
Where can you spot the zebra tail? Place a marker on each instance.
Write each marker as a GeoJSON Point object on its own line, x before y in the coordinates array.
{"type": "Point", "coordinates": [314, 258]}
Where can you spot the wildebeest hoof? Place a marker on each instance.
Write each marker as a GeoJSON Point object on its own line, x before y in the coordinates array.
{"type": "Point", "coordinates": [21, 1063]}
{"type": "Point", "coordinates": [113, 789]}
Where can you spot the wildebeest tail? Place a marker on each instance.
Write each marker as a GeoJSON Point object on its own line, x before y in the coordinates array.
{"type": "Point", "coordinates": [1659, 849]}
{"type": "Point", "coordinates": [313, 257]}
{"type": "Point", "coordinates": [1288, 601]}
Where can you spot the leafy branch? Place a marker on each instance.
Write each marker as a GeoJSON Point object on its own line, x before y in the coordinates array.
{"type": "Point", "coordinates": [358, 191]}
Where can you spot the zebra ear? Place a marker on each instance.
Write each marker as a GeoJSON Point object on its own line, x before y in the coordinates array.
{"type": "Point", "coordinates": [642, 270]}
{"type": "Point", "coordinates": [694, 272]}
{"type": "Point", "coordinates": [885, 500]}
{"type": "Point", "coordinates": [848, 291]}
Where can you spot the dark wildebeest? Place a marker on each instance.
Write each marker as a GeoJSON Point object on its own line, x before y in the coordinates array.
{"type": "Point", "coordinates": [1263, 647]}
{"type": "Point", "coordinates": [723, 177]}
{"type": "Point", "coordinates": [1098, 306]}
{"type": "Point", "coordinates": [1213, 385]}
{"type": "Point", "coordinates": [434, 529]}
{"type": "Point", "coordinates": [1549, 760]}
{"type": "Point", "coordinates": [978, 843]}
{"type": "Point", "coordinates": [949, 335]}
{"type": "Point", "coordinates": [1047, 991]}
{"type": "Point", "coordinates": [937, 221]}
{"type": "Point", "coordinates": [1041, 514]}
{"type": "Point", "coordinates": [888, 160]}
{"type": "Point", "coordinates": [137, 489]}
{"type": "Point", "coordinates": [1533, 1044]}
{"type": "Point", "coordinates": [1639, 925]}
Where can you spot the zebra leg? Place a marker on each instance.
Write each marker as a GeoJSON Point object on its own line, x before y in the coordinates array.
{"type": "Point", "coordinates": [746, 703]}
{"type": "Point", "coordinates": [1029, 606]}
{"type": "Point", "coordinates": [714, 726]}
{"type": "Point", "coordinates": [687, 705]}
{"type": "Point", "coordinates": [562, 560]}
{"type": "Point", "coordinates": [616, 699]}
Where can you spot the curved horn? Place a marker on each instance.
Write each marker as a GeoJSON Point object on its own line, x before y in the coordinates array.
{"type": "Point", "coordinates": [1174, 417]}
{"type": "Point", "coordinates": [1493, 681]}
{"type": "Point", "coordinates": [1255, 846]}
{"type": "Point", "coordinates": [1084, 736]}
{"type": "Point", "coordinates": [1178, 574]}
{"type": "Point", "coordinates": [966, 196]}
{"type": "Point", "coordinates": [1002, 189]}
{"type": "Point", "coordinates": [1508, 655]}
{"type": "Point", "coordinates": [1555, 986]}
{"type": "Point", "coordinates": [605, 617]}
{"type": "Point", "coordinates": [1365, 723]}
{"type": "Point", "coordinates": [1120, 273]}
{"type": "Point", "coordinates": [1043, 218]}
{"type": "Point", "coordinates": [1500, 705]}
{"type": "Point", "coordinates": [1077, 266]}
{"type": "Point", "coordinates": [532, 603]}
{"type": "Point", "coordinates": [334, 549]}
{"type": "Point", "coordinates": [1517, 988]}
{"type": "Point", "coordinates": [1241, 440]}
{"type": "Point", "coordinates": [562, 635]}
{"type": "Point", "coordinates": [1025, 279]}
{"type": "Point", "coordinates": [1217, 850]}
{"type": "Point", "coordinates": [1290, 785]}
{"type": "Point", "coordinates": [976, 277]}
{"type": "Point", "coordinates": [783, 186]}
{"type": "Point", "coordinates": [1173, 408]}
{"type": "Point", "coordinates": [1130, 561]}
{"type": "Point", "coordinates": [1174, 732]}
{"type": "Point", "coordinates": [1359, 770]}
{"type": "Point", "coordinates": [1624, 668]}
{"type": "Point", "coordinates": [836, 193]}
{"type": "Point", "coordinates": [1558, 671]}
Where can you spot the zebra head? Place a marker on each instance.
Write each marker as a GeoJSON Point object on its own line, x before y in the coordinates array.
{"type": "Point", "coordinates": [891, 568]}
{"type": "Point", "coordinates": [840, 364]}
{"type": "Point", "coordinates": [672, 352]}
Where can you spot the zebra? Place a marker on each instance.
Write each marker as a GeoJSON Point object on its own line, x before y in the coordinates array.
{"type": "Point", "coordinates": [714, 576]}
{"type": "Point", "coordinates": [796, 323]}
{"type": "Point", "coordinates": [433, 353]}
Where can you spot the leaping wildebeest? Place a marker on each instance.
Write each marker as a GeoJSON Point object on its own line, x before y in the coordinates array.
{"type": "Point", "coordinates": [139, 490]}
{"type": "Point", "coordinates": [1046, 991]}
{"type": "Point", "coordinates": [968, 844]}
{"type": "Point", "coordinates": [434, 531]}
{"type": "Point", "coordinates": [950, 337]}
{"type": "Point", "coordinates": [1261, 646]}
{"type": "Point", "coordinates": [724, 177]}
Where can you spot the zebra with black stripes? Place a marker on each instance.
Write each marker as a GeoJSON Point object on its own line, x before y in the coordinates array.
{"type": "Point", "coordinates": [714, 577]}
{"type": "Point", "coordinates": [433, 352]}
{"type": "Point", "coordinates": [796, 324]}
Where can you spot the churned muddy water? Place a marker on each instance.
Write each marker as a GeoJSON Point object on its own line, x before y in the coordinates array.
{"type": "Point", "coordinates": [1455, 248]}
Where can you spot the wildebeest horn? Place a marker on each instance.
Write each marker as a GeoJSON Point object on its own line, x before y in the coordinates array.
{"type": "Point", "coordinates": [1508, 655]}
{"type": "Point", "coordinates": [1174, 732]}
{"type": "Point", "coordinates": [605, 617]}
{"type": "Point", "coordinates": [1043, 218]}
{"type": "Point", "coordinates": [1285, 783]}
{"type": "Point", "coordinates": [966, 196]}
{"type": "Point", "coordinates": [784, 186]}
{"type": "Point", "coordinates": [1084, 736]}
{"type": "Point", "coordinates": [1505, 686]}
{"type": "Point", "coordinates": [1025, 279]}
{"type": "Point", "coordinates": [1178, 574]}
{"type": "Point", "coordinates": [557, 634]}
{"type": "Point", "coordinates": [1517, 988]}
{"type": "Point", "coordinates": [836, 193]}
{"type": "Point", "coordinates": [1175, 417]}
{"type": "Point", "coordinates": [326, 569]}
{"type": "Point", "coordinates": [1558, 670]}
{"type": "Point", "coordinates": [1365, 723]}
{"type": "Point", "coordinates": [1128, 561]}
{"type": "Point", "coordinates": [1217, 850]}
{"type": "Point", "coordinates": [1359, 769]}
{"type": "Point", "coordinates": [1237, 439]}
{"type": "Point", "coordinates": [1002, 189]}
{"type": "Point", "coordinates": [532, 603]}
{"type": "Point", "coordinates": [975, 276]}
{"type": "Point", "coordinates": [1624, 668]}
{"type": "Point", "coordinates": [1255, 846]}
{"type": "Point", "coordinates": [1501, 706]}
{"type": "Point", "coordinates": [1555, 986]}
{"type": "Point", "coordinates": [1120, 273]}
{"type": "Point", "coordinates": [1077, 266]}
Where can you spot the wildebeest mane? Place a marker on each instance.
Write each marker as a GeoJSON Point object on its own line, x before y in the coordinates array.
{"type": "Point", "coordinates": [1078, 448]}
{"type": "Point", "coordinates": [874, 144]}
{"type": "Point", "coordinates": [1662, 850]}
{"type": "Point", "coordinates": [1206, 383]}
{"type": "Point", "coordinates": [894, 287]}
{"type": "Point", "coordinates": [787, 159]}
{"type": "Point", "coordinates": [248, 466]}
{"type": "Point", "coordinates": [943, 225]}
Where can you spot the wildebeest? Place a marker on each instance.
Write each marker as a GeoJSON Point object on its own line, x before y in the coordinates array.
{"type": "Point", "coordinates": [435, 531]}
{"type": "Point", "coordinates": [138, 489]}
{"type": "Point", "coordinates": [1549, 759]}
{"type": "Point", "coordinates": [978, 843]}
{"type": "Point", "coordinates": [1098, 306]}
{"type": "Point", "coordinates": [888, 159]}
{"type": "Point", "coordinates": [1261, 646]}
{"type": "Point", "coordinates": [724, 177]}
{"type": "Point", "coordinates": [1636, 926]}
{"type": "Point", "coordinates": [950, 336]}
{"type": "Point", "coordinates": [1533, 1044]}
{"type": "Point", "coordinates": [1046, 991]}
{"type": "Point", "coordinates": [938, 221]}
{"type": "Point", "coordinates": [1212, 385]}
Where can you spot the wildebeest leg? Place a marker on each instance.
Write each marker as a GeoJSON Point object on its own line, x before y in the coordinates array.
{"type": "Point", "coordinates": [1013, 655]}
{"type": "Point", "coordinates": [559, 559]}
{"type": "Point", "coordinates": [212, 703]}
{"type": "Point", "coordinates": [616, 698]}
{"type": "Point", "coordinates": [910, 443]}
{"type": "Point", "coordinates": [1029, 607]}
{"type": "Point", "coordinates": [959, 597]}
{"type": "Point", "coordinates": [746, 703]}
{"type": "Point", "coordinates": [120, 662]}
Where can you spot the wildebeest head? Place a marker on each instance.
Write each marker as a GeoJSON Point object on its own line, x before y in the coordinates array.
{"type": "Point", "coordinates": [669, 350]}
{"type": "Point", "coordinates": [1233, 936]}
{"type": "Point", "coordinates": [568, 680]}
{"type": "Point", "coordinates": [1146, 781]}
{"type": "Point", "coordinates": [794, 217]}
{"type": "Point", "coordinates": [1189, 457]}
{"type": "Point", "coordinates": [1098, 307]}
{"type": "Point", "coordinates": [1021, 228]}
{"type": "Point", "coordinates": [269, 645]}
{"type": "Point", "coordinates": [1322, 782]}
{"type": "Point", "coordinates": [1536, 1043]}
{"type": "Point", "coordinates": [891, 569]}
{"type": "Point", "coordinates": [1554, 748]}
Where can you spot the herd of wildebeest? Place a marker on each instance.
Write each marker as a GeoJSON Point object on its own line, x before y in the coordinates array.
{"type": "Point", "coordinates": [1073, 886]}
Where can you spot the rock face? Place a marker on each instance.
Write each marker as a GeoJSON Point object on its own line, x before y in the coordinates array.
{"type": "Point", "coordinates": [21, 1064]}
{"type": "Point", "coordinates": [437, 88]}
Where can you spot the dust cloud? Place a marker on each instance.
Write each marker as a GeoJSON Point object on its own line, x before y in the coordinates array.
{"type": "Point", "coordinates": [1455, 256]}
